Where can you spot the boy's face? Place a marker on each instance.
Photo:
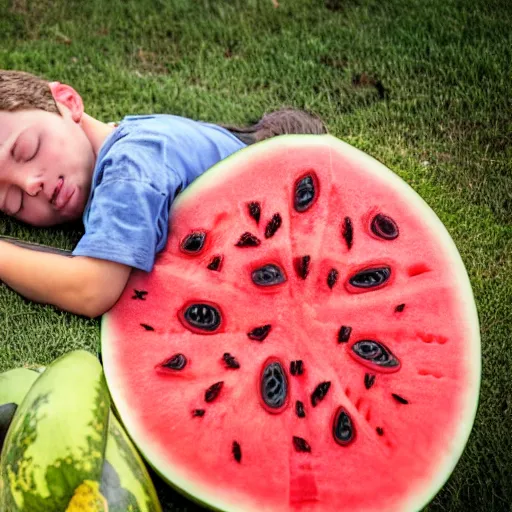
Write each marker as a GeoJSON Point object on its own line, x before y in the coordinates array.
{"type": "Point", "coordinates": [46, 164]}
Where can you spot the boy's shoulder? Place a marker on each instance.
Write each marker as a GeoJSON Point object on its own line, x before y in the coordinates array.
{"type": "Point", "coordinates": [171, 127]}
{"type": "Point", "coordinates": [156, 122]}
{"type": "Point", "coordinates": [170, 133]}
{"type": "Point", "coordinates": [141, 143]}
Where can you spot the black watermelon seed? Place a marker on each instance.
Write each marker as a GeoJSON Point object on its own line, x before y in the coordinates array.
{"type": "Point", "coordinates": [268, 275]}
{"type": "Point", "coordinates": [237, 451]}
{"type": "Point", "coordinates": [319, 393]}
{"type": "Point", "coordinates": [203, 316]}
{"type": "Point", "coordinates": [274, 385]}
{"type": "Point", "coordinates": [299, 409]}
{"type": "Point", "coordinates": [399, 399]}
{"type": "Point", "coordinates": [301, 445]}
{"type": "Point", "coordinates": [304, 193]}
{"type": "Point", "coordinates": [273, 225]}
{"type": "Point", "coordinates": [369, 380]}
{"type": "Point", "coordinates": [193, 243]}
{"type": "Point", "coordinates": [255, 211]}
{"type": "Point", "coordinates": [213, 391]}
{"type": "Point", "coordinates": [343, 429]}
{"type": "Point", "coordinates": [348, 232]}
{"type": "Point", "coordinates": [248, 240]}
{"type": "Point", "coordinates": [215, 263]}
{"type": "Point", "coordinates": [302, 266]}
{"type": "Point", "coordinates": [140, 294]}
{"type": "Point", "coordinates": [297, 367]}
{"type": "Point", "coordinates": [376, 353]}
{"type": "Point", "coordinates": [400, 308]}
{"type": "Point", "coordinates": [176, 362]}
{"type": "Point", "coordinates": [230, 361]}
{"type": "Point", "coordinates": [344, 333]}
{"type": "Point", "coordinates": [332, 278]}
{"type": "Point", "coordinates": [198, 413]}
{"type": "Point", "coordinates": [370, 277]}
{"type": "Point", "coordinates": [147, 327]}
{"type": "Point", "coordinates": [380, 431]}
{"type": "Point", "coordinates": [259, 333]}
{"type": "Point", "coordinates": [384, 227]}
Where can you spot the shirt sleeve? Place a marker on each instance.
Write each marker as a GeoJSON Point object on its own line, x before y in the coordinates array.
{"type": "Point", "coordinates": [125, 223]}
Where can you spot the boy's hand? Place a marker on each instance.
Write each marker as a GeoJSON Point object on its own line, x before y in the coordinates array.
{"type": "Point", "coordinates": [81, 285]}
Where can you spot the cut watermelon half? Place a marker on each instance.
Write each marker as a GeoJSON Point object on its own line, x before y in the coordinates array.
{"type": "Point", "coordinates": [308, 340]}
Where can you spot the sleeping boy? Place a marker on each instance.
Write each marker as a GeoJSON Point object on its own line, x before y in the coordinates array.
{"type": "Point", "coordinates": [58, 164]}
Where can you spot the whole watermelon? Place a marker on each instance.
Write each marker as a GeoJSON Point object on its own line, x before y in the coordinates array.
{"type": "Point", "coordinates": [65, 450]}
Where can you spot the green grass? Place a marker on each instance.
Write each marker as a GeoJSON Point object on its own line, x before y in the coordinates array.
{"type": "Point", "coordinates": [424, 86]}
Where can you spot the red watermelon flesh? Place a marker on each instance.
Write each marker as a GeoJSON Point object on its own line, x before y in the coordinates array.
{"type": "Point", "coordinates": [308, 339]}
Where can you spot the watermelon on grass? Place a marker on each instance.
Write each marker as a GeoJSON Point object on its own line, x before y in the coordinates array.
{"type": "Point", "coordinates": [64, 450]}
{"type": "Point", "coordinates": [57, 436]}
{"type": "Point", "coordinates": [308, 340]}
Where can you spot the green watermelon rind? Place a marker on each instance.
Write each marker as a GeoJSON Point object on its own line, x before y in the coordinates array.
{"type": "Point", "coordinates": [135, 484]}
{"type": "Point", "coordinates": [55, 443]}
{"type": "Point", "coordinates": [14, 384]}
{"type": "Point", "coordinates": [230, 168]}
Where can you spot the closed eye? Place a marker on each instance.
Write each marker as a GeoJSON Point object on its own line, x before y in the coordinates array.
{"type": "Point", "coordinates": [26, 147]}
{"type": "Point", "coordinates": [35, 152]}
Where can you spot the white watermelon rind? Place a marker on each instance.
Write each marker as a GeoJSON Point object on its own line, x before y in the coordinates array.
{"type": "Point", "coordinates": [419, 497]}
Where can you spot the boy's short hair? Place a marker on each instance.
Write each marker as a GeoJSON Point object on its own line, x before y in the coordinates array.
{"type": "Point", "coordinates": [24, 91]}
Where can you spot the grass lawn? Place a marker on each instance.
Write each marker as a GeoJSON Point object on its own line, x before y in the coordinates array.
{"type": "Point", "coordinates": [423, 86]}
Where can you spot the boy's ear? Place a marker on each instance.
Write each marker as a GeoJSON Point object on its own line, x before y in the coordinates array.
{"type": "Point", "coordinates": [65, 95]}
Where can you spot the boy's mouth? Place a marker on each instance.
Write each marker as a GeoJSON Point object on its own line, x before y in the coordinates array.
{"type": "Point", "coordinates": [57, 190]}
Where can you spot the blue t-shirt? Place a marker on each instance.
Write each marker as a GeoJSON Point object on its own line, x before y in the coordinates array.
{"type": "Point", "coordinates": [140, 168]}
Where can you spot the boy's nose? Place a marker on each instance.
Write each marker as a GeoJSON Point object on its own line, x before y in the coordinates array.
{"type": "Point", "coordinates": [32, 185]}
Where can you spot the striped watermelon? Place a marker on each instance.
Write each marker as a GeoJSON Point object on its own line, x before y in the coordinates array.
{"type": "Point", "coordinates": [308, 340]}
{"type": "Point", "coordinates": [65, 451]}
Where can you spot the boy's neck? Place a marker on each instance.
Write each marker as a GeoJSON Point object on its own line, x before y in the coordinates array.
{"type": "Point", "coordinates": [96, 131]}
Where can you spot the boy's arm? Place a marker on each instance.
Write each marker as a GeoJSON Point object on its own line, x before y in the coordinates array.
{"type": "Point", "coordinates": [81, 285]}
